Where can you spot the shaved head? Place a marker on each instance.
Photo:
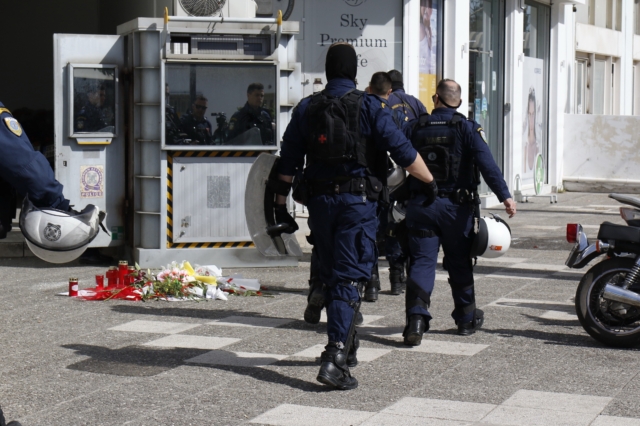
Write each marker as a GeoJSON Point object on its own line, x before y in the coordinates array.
{"type": "Point", "coordinates": [450, 92]}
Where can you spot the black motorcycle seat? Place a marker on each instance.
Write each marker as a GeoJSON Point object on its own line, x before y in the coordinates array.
{"type": "Point", "coordinates": [611, 231]}
{"type": "Point", "coordinates": [626, 199]}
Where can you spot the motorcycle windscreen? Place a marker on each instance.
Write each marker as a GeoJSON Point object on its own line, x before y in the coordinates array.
{"type": "Point", "coordinates": [258, 204]}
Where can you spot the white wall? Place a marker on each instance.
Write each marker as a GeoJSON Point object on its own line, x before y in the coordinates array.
{"type": "Point", "coordinates": [601, 152]}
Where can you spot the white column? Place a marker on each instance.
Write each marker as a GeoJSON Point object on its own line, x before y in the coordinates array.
{"type": "Point", "coordinates": [456, 46]}
{"type": "Point", "coordinates": [560, 81]}
{"type": "Point", "coordinates": [411, 46]}
{"type": "Point", "coordinates": [626, 61]}
{"type": "Point", "coordinates": [513, 60]}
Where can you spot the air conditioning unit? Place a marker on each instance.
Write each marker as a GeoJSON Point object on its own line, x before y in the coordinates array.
{"type": "Point", "coordinates": [226, 8]}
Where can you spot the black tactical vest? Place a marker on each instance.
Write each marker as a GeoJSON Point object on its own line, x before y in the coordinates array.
{"type": "Point", "coordinates": [439, 142]}
{"type": "Point", "coordinates": [334, 129]}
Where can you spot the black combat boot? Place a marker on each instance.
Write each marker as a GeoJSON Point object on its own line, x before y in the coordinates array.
{"type": "Point", "coordinates": [352, 359]}
{"type": "Point", "coordinates": [334, 370]}
{"type": "Point", "coordinates": [4, 423]}
{"type": "Point", "coordinates": [315, 302]}
{"type": "Point", "coordinates": [414, 330]}
{"type": "Point", "coordinates": [397, 277]}
{"type": "Point", "coordinates": [468, 328]}
{"type": "Point", "coordinates": [373, 286]}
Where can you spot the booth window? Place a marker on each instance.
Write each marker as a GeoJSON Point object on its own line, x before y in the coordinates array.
{"type": "Point", "coordinates": [214, 104]}
{"type": "Point", "coordinates": [94, 100]}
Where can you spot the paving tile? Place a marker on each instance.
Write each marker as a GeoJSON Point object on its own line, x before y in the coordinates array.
{"type": "Point", "coordinates": [236, 359]}
{"type": "Point", "coordinates": [160, 327]}
{"type": "Point", "coordinates": [440, 409]}
{"type": "Point", "coordinates": [615, 421]}
{"type": "Point", "coordinates": [242, 321]}
{"type": "Point", "coordinates": [520, 416]}
{"type": "Point", "coordinates": [546, 228]}
{"type": "Point", "coordinates": [556, 401]}
{"type": "Point", "coordinates": [531, 303]}
{"type": "Point", "coordinates": [296, 415]}
{"type": "Point", "coordinates": [192, 342]}
{"type": "Point", "coordinates": [366, 319]}
{"type": "Point", "coordinates": [364, 354]}
{"type": "Point", "coordinates": [446, 348]}
{"type": "Point", "coordinates": [383, 419]}
{"type": "Point", "coordinates": [538, 266]}
{"type": "Point", "coordinates": [502, 259]}
{"type": "Point", "coordinates": [560, 316]}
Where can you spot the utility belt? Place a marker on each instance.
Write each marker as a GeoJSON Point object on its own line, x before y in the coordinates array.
{"type": "Point", "coordinates": [457, 196]}
{"type": "Point", "coordinates": [368, 186]}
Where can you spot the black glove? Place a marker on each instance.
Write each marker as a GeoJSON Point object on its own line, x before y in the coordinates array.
{"type": "Point", "coordinates": [431, 193]}
{"type": "Point", "coordinates": [283, 216]}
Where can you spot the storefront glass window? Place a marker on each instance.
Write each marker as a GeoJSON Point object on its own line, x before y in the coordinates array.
{"type": "Point", "coordinates": [535, 89]}
{"type": "Point", "coordinates": [485, 72]}
{"type": "Point", "coordinates": [598, 86]}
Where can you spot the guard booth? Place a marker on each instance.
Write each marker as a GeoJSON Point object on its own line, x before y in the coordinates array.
{"type": "Point", "coordinates": [172, 194]}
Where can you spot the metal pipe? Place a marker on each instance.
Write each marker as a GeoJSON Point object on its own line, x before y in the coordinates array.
{"type": "Point", "coordinates": [222, 19]}
{"type": "Point", "coordinates": [614, 293]}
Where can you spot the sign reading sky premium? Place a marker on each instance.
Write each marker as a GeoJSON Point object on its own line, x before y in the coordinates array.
{"type": "Point", "coordinates": [373, 27]}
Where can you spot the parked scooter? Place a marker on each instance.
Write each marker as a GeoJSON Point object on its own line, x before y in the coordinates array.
{"type": "Point", "coordinates": [608, 296]}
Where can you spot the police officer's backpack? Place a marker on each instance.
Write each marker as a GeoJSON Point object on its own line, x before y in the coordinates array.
{"type": "Point", "coordinates": [435, 140]}
{"type": "Point", "coordinates": [334, 129]}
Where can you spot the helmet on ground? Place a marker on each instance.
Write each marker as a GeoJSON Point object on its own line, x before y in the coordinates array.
{"type": "Point", "coordinates": [493, 238]}
{"type": "Point", "coordinates": [58, 236]}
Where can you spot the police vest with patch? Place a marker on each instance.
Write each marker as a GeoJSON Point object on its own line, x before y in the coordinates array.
{"type": "Point", "coordinates": [439, 143]}
{"type": "Point", "coordinates": [334, 129]}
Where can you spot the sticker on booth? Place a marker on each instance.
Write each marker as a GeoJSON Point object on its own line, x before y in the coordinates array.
{"type": "Point", "coordinates": [91, 181]}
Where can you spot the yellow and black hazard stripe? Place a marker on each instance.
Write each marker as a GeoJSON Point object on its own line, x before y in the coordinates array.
{"type": "Point", "coordinates": [238, 244]}
{"type": "Point", "coordinates": [205, 154]}
{"type": "Point", "coordinates": [170, 156]}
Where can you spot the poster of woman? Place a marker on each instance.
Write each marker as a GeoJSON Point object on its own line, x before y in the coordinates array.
{"type": "Point", "coordinates": [533, 142]}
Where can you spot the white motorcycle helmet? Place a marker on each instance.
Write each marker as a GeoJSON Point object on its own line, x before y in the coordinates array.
{"type": "Point", "coordinates": [493, 238]}
{"type": "Point", "coordinates": [396, 176]}
{"type": "Point", "coordinates": [56, 236]}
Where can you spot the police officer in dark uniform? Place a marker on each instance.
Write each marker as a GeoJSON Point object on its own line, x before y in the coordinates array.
{"type": "Point", "coordinates": [195, 125]}
{"type": "Point", "coordinates": [341, 193]}
{"type": "Point", "coordinates": [253, 115]}
{"type": "Point", "coordinates": [25, 171]}
{"type": "Point", "coordinates": [94, 115]}
{"type": "Point", "coordinates": [453, 148]}
{"type": "Point", "coordinates": [411, 106]}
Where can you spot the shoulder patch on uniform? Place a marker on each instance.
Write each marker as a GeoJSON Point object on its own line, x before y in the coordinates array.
{"type": "Point", "coordinates": [4, 110]}
{"type": "Point", "coordinates": [382, 104]}
{"type": "Point", "coordinates": [13, 126]}
{"type": "Point", "coordinates": [482, 135]}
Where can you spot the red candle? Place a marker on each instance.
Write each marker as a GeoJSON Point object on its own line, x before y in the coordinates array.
{"type": "Point", "coordinates": [122, 272]}
{"type": "Point", "coordinates": [73, 287]}
{"type": "Point", "coordinates": [100, 281]}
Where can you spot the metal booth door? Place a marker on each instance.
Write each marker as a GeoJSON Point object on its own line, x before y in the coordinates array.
{"type": "Point", "coordinates": [89, 126]}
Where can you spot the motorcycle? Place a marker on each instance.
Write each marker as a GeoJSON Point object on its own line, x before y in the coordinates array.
{"type": "Point", "coordinates": [608, 296]}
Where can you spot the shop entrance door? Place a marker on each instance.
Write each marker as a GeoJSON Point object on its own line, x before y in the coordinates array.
{"type": "Point", "coordinates": [486, 65]}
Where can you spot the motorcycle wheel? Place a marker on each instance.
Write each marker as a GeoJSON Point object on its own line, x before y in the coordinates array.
{"type": "Point", "coordinates": [612, 323]}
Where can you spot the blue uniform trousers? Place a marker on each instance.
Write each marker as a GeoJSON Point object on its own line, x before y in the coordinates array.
{"type": "Point", "coordinates": [452, 223]}
{"type": "Point", "coordinates": [344, 229]}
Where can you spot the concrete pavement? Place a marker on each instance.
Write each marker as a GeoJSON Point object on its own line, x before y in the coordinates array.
{"type": "Point", "coordinates": [253, 360]}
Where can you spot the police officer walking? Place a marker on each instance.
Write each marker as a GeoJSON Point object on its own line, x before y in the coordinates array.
{"type": "Point", "coordinates": [344, 135]}
{"type": "Point", "coordinates": [453, 148]}
{"type": "Point", "coordinates": [408, 107]}
{"type": "Point", "coordinates": [253, 115]}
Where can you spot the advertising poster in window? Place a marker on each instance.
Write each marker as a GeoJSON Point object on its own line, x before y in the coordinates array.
{"type": "Point", "coordinates": [429, 49]}
{"type": "Point", "coordinates": [372, 27]}
{"type": "Point", "coordinates": [533, 143]}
